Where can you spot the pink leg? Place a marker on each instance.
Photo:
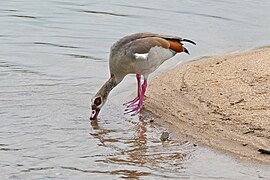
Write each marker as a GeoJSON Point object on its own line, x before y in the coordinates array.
{"type": "Point", "coordinates": [138, 107]}
{"type": "Point", "coordinates": [132, 102]}
{"type": "Point", "coordinates": [144, 86]}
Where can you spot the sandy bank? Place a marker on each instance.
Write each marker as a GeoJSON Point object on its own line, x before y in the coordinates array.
{"type": "Point", "coordinates": [223, 102]}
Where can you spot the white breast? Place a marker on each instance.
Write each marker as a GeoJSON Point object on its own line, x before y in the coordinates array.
{"type": "Point", "coordinates": [149, 62]}
{"type": "Point", "coordinates": [160, 54]}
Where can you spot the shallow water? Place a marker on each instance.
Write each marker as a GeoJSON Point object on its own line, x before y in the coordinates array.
{"type": "Point", "coordinates": [54, 57]}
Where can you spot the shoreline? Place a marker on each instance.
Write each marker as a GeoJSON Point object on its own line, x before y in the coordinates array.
{"type": "Point", "coordinates": [222, 102]}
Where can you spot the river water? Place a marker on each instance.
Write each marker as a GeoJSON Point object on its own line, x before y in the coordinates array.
{"type": "Point", "coordinates": [54, 57]}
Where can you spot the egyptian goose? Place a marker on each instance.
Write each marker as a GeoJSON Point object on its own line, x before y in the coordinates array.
{"type": "Point", "coordinates": [140, 54]}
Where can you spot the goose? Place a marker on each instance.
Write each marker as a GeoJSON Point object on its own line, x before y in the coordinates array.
{"type": "Point", "coordinates": [140, 54]}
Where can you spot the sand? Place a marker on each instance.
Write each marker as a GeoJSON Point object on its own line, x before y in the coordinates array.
{"type": "Point", "coordinates": [222, 102]}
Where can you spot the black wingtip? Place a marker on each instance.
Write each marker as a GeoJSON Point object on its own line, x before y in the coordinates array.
{"type": "Point", "coordinates": [187, 40]}
{"type": "Point", "coordinates": [186, 51]}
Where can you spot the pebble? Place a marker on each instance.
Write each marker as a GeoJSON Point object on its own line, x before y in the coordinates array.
{"type": "Point", "coordinates": [165, 136]}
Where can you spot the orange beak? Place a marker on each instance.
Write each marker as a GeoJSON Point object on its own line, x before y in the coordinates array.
{"type": "Point", "coordinates": [94, 114]}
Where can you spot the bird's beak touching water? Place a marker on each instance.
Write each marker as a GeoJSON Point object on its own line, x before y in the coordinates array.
{"type": "Point", "coordinates": [94, 114]}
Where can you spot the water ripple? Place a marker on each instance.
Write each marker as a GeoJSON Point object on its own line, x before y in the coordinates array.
{"type": "Point", "coordinates": [84, 56]}
{"type": "Point", "coordinates": [125, 173]}
{"type": "Point", "coordinates": [9, 149]}
{"type": "Point", "coordinates": [104, 13]}
{"type": "Point", "coordinates": [24, 16]}
{"type": "Point", "coordinates": [37, 169]}
{"type": "Point", "coordinates": [57, 45]}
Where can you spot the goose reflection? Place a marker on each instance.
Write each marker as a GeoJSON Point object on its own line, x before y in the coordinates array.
{"type": "Point", "coordinates": [135, 146]}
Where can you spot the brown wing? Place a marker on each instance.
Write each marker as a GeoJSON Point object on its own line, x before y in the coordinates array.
{"type": "Point", "coordinates": [143, 42]}
{"type": "Point", "coordinates": [143, 45]}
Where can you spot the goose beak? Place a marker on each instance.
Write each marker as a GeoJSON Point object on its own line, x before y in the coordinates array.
{"type": "Point", "coordinates": [94, 114]}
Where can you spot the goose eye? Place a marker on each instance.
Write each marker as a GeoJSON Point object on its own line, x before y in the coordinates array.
{"type": "Point", "coordinates": [97, 101]}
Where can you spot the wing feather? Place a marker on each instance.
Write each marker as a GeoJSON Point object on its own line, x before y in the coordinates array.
{"type": "Point", "coordinates": [141, 43]}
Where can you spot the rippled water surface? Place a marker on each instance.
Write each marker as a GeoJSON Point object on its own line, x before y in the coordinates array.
{"type": "Point", "coordinates": [54, 57]}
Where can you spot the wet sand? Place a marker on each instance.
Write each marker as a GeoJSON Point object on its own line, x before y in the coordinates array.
{"type": "Point", "coordinates": [222, 102]}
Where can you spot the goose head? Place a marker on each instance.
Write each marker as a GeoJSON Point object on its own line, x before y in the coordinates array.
{"type": "Point", "coordinates": [96, 105]}
{"type": "Point", "coordinates": [101, 97]}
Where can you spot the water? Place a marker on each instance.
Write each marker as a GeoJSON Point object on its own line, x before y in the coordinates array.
{"type": "Point", "coordinates": [53, 58]}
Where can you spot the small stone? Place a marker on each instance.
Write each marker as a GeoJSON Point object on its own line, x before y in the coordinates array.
{"type": "Point", "coordinates": [244, 144]}
{"type": "Point", "coordinates": [164, 136]}
{"type": "Point", "coordinates": [248, 131]}
{"type": "Point", "coordinates": [226, 118]}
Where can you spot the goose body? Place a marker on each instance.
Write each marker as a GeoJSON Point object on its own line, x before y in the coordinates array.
{"type": "Point", "coordinates": [140, 54]}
